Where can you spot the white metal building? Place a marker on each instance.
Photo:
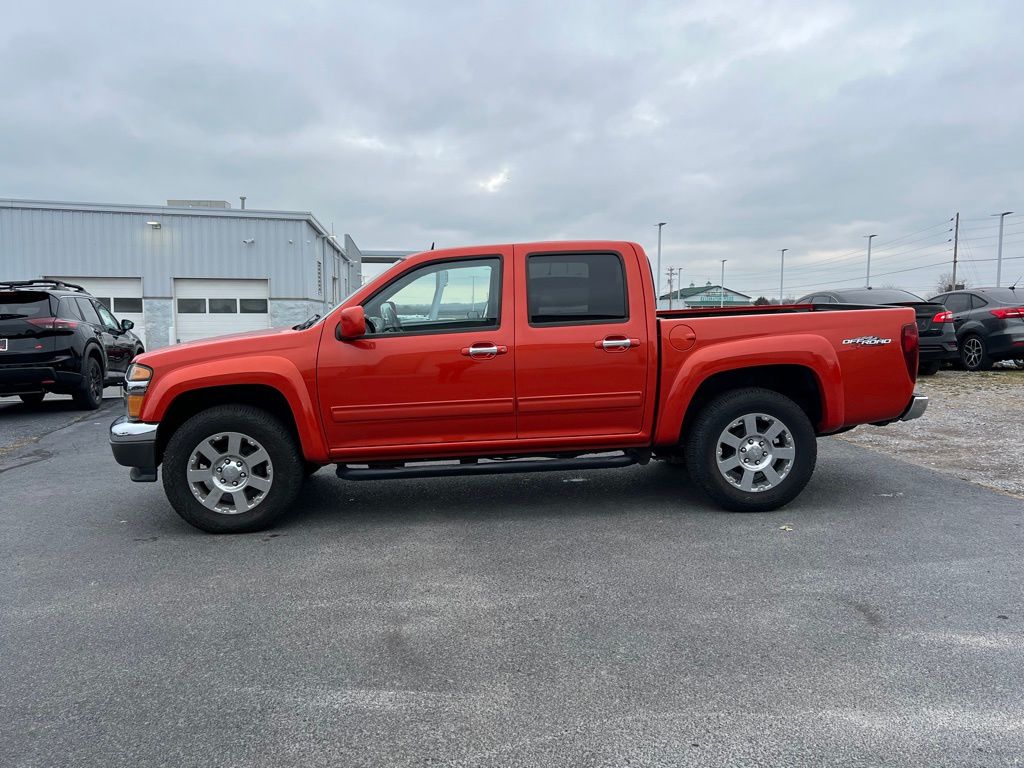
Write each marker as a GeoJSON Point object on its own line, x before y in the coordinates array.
{"type": "Point", "coordinates": [183, 271]}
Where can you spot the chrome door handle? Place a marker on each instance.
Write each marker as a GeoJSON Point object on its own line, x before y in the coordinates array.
{"type": "Point", "coordinates": [478, 351]}
{"type": "Point", "coordinates": [614, 343]}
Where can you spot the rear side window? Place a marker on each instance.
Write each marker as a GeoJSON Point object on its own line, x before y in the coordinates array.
{"type": "Point", "coordinates": [15, 305]}
{"type": "Point", "coordinates": [89, 311]}
{"type": "Point", "coordinates": [958, 302]}
{"type": "Point", "coordinates": [977, 302]}
{"type": "Point", "coordinates": [69, 310]}
{"type": "Point", "coordinates": [572, 288]}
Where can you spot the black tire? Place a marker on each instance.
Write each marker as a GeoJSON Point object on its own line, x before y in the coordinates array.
{"type": "Point", "coordinates": [285, 458]}
{"type": "Point", "coordinates": [309, 468]}
{"type": "Point", "coordinates": [974, 353]}
{"type": "Point", "coordinates": [702, 449]}
{"type": "Point", "coordinates": [89, 395]}
{"type": "Point", "coordinates": [34, 399]}
{"type": "Point", "coordinates": [928, 369]}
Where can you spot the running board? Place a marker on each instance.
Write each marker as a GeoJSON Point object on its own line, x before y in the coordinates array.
{"type": "Point", "coordinates": [493, 467]}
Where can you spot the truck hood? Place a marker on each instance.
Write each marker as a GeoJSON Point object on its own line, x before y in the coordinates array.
{"type": "Point", "coordinates": [228, 345]}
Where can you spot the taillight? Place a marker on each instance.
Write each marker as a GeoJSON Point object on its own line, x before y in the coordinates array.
{"type": "Point", "coordinates": [53, 323]}
{"type": "Point", "coordinates": [908, 340]}
{"type": "Point", "coordinates": [1004, 313]}
{"type": "Point", "coordinates": [942, 317]}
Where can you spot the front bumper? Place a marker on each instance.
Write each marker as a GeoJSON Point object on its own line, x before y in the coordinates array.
{"type": "Point", "coordinates": [916, 408]}
{"type": "Point", "coordinates": [133, 444]}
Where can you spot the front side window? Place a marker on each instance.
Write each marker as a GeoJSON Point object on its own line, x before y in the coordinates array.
{"type": "Point", "coordinates": [109, 322]}
{"type": "Point", "coordinates": [571, 288]}
{"type": "Point", "coordinates": [958, 302]}
{"type": "Point", "coordinates": [444, 297]}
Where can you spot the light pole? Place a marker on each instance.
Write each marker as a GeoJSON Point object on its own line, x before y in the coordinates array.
{"type": "Point", "coordinates": [782, 271]}
{"type": "Point", "coordinates": [657, 271]}
{"type": "Point", "coordinates": [721, 302]}
{"type": "Point", "coordinates": [999, 253]}
{"type": "Point", "coordinates": [868, 283]}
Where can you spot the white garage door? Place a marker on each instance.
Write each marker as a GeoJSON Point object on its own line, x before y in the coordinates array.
{"type": "Point", "coordinates": [121, 295]}
{"type": "Point", "coordinates": [204, 308]}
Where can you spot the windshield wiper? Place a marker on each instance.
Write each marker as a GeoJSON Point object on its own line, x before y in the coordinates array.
{"type": "Point", "coordinates": [306, 323]}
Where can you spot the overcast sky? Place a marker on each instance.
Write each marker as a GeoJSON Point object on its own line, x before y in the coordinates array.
{"type": "Point", "coordinates": [747, 126]}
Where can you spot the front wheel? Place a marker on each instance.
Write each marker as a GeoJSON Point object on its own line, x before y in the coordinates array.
{"type": "Point", "coordinates": [974, 355]}
{"type": "Point", "coordinates": [751, 450]}
{"type": "Point", "coordinates": [232, 469]}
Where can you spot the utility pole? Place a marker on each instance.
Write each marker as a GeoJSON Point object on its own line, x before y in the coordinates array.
{"type": "Point", "coordinates": [671, 271]}
{"type": "Point", "coordinates": [999, 253]}
{"type": "Point", "coordinates": [657, 271]}
{"type": "Point", "coordinates": [721, 303]}
{"type": "Point", "coordinates": [868, 283]}
{"type": "Point", "coordinates": [782, 271]}
{"type": "Point", "coordinates": [956, 242]}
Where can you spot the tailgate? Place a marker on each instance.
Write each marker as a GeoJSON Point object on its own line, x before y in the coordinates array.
{"type": "Point", "coordinates": [26, 327]}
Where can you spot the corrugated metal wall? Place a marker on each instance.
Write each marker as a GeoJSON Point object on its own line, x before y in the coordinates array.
{"type": "Point", "coordinates": [36, 241]}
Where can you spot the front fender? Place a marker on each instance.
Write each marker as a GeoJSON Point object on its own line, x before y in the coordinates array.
{"type": "Point", "coordinates": [806, 350]}
{"type": "Point", "coordinates": [267, 370]}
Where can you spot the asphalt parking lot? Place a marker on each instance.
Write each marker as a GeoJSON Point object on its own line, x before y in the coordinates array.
{"type": "Point", "coordinates": [608, 618]}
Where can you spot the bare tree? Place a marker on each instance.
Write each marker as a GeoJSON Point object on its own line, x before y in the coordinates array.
{"type": "Point", "coordinates": [945, 283]}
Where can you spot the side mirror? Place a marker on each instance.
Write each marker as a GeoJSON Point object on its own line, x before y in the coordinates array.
{"type": "Point", "coordinates": [127, 325]}
{"type": "Point", "coordinates": [353, 323]}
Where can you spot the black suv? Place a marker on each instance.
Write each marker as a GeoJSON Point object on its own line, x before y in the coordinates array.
{"type": "Point", "coordinates": [989, 324]}
{"type": "Point", "coordinates": [937, 337]}
{"type": "Point", "coordinates": [55, 337]}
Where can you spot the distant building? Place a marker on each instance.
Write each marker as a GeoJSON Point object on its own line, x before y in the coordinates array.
{"type": "Point", "coordinates": [185, 270]}
{"type": "Point", "coordinates": [707, 295]}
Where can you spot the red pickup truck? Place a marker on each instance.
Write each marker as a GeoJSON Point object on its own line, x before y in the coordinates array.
{"type": "Point", "coordinates": [512, 358]}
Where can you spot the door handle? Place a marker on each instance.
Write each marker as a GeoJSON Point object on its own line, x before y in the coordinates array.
{"type": "Point", "coordinates": [616, 343]}
{"type": "Point", "coordinates": [484, 350]}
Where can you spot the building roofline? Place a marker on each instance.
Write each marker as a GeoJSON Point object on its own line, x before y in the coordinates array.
{"type": "Point", "coordinates": [167, 210]}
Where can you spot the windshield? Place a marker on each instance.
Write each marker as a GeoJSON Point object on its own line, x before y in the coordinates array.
{"type": "Point", "coordinates": [878, 296]}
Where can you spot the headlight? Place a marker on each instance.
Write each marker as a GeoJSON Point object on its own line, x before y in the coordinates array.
{"type": "Point", "coordinates": [136, 381]}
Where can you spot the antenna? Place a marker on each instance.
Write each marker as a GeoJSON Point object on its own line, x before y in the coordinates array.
{"type": "Point", "coordinates": [1014, 286]}
{"type": "Point", "coordinates": [431, 246]}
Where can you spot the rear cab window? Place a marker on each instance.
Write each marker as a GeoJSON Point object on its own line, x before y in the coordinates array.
{"type": "Point", "coordinates": [576, 289]}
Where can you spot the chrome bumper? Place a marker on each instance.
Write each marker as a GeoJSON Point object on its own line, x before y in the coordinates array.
{"type": "Point", "coordinates": [918, 405]}
{"type": "Point", "coordinates": [133, 444]}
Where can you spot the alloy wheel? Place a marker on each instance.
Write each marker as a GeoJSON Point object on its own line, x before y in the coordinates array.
{"type": "Point", "coordinates": [230, 473]}
{"type": "Point", "coordinates": [973, 351]}
{"type": "Point", "coordinates": [755, 452]}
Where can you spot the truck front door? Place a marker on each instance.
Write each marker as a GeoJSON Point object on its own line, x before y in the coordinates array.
{"type": "Point", "coordinates": [582, 351]}
{"type": "Point", "coordinates": [435, 367]}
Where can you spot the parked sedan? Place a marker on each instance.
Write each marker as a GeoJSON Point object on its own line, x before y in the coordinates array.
{"type": "Point", "coordinates": [989, 324]}
{"type": "Point", "coordinates": [938, 342]}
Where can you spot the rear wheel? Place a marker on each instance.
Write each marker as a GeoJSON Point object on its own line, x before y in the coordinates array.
{"type": "Point", "coordinates": [232, 469]}
{"type": "Point", "coordinates": [34, 399]}
{"type": "Point", "coordinates": [89, 394]}
{"type": "Point", "coordinates": [974, 355]}
{"type": "Point", "coordinates": [751, 450]}
{"type": "Point", "coordinates": [928, 369]}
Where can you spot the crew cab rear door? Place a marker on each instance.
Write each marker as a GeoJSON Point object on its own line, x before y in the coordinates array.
{"type": "Point", "coordinates": [582, 351]}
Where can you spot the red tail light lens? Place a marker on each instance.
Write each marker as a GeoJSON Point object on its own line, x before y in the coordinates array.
{"type": "Point", "coordinates": [909, 340]}
{"type": "Point", "coordinates": [1004, 313]}
{"type": "Point", "coordinates": [53, 323]}
{"type": "Point", "coordinates": [942, 317]}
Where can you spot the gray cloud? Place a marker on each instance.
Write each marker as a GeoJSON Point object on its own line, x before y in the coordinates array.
{"type": "Point", "coordinates": [749, 126]}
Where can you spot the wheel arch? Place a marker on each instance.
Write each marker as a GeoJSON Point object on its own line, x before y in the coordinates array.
{"type": "Point", "coordinates": [194, 401]}
{"type": "Point", "coordinates": [797, 382]}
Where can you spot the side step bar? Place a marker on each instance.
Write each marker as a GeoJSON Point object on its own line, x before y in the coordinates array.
{"type": "Point", "coordinates": [494, 467]}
